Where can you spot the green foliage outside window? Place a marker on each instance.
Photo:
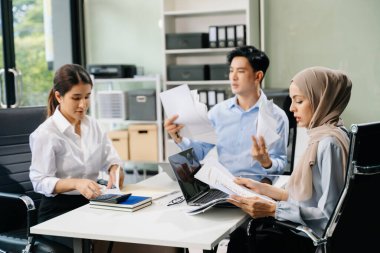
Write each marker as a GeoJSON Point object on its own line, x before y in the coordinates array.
{"type": "Point", "coordinates": [30, 51]}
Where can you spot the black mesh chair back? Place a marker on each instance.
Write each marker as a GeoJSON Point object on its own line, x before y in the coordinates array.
{"type": "Point", "coordinates": [355, 223]}
{"type": "Point", "coordinates": [18, 201]}
{"type": "Point", "coordinates": [15, 157]}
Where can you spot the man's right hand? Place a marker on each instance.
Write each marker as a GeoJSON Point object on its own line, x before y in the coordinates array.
{"type": "Point", "coordinates": [173, 129]}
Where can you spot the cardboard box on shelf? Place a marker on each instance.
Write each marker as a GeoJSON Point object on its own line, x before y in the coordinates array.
{"type": "Point", "coordinates": [119, 140]}
{"type": "Point", "coordinates": [143, 142]}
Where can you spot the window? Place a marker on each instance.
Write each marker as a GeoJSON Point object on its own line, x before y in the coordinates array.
{"type": "Point", "coordinates": [27, 46]}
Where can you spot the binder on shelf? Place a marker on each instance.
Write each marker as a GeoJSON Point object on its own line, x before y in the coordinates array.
{"type": "Point", "coordinates": [213, 36]}
{"type": "Point", "coordinates": [211, 98]}
{"type": "Point", "coordinates": [240, 35]}
{"type": "Point", "coordinates": [222, 36]}
{"type": "Point", "coordinates": [231, 35]}
{"type": "Point", "coordinates": [203, 96]}
{"type": "Point", "coordinates": [220, 96]}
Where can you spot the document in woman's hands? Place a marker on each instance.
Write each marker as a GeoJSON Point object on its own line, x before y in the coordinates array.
{"type": "Point", "coordinates": [217, 176]}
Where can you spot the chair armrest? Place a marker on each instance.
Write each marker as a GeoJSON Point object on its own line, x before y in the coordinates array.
{"type": "Point", "coordinates": [29, 203]}
{"type": "Point", "coordinates": [31, 211]}
{"type": "Point", "coordinates": [298, 227]}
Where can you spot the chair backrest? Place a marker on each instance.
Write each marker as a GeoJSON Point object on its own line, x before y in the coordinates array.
{"type": "Point", "coordinates": [15, 155]}
{"type": "Point", "coordinates": [355, 222]}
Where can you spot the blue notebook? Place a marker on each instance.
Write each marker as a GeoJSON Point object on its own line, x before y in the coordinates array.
{"type": "Point", "coordinates": [131, 202]}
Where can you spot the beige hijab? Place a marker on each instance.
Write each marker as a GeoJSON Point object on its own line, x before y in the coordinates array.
{"type": "Point", "coordinates": [328, 91]}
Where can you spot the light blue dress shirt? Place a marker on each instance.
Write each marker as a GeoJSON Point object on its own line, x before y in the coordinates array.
{"type": "Point", "coordinates": [328, 182]}
{"type": "Point", "coordinates": [234, 128]}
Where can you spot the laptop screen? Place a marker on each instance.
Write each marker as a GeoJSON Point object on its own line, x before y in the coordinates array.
{"type": "Point", "coordinates": [185, 164]}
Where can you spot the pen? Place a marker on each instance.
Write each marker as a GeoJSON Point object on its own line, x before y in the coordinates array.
{"type": "Point", "coordinates": [167, 194]}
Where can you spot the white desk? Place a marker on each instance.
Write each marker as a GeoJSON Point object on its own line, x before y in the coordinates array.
{"type": "Point", "coordinates": [154, 225]}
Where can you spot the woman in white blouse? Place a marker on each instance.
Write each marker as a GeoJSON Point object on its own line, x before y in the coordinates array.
{"type": "Point", "coordinates": [69, 148]}
{"type": "Point", "coordinates": [319, 96]}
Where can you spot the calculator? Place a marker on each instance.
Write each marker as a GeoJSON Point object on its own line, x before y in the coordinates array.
{"type": "Point", "coordinates": [112, 198]}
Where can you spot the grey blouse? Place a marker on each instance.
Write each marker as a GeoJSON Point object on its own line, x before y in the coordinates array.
{"type": "Point", "coordinates": [328, 182]}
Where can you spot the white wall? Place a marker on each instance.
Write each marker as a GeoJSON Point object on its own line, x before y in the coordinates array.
{"type": "Point", "coordinates": [124, 31]}
{"type": "Point", "coordinates": [343, 34]}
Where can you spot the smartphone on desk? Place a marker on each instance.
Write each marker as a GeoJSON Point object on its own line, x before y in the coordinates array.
{"type": "Point", "coordinates": [111, 198]}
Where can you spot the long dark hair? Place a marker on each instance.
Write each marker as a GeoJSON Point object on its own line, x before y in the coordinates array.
{"type": "Point", "coordinates": [64, 79]}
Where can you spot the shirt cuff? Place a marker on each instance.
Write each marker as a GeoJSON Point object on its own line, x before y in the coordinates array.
{"type": "Point", "coordinates": [184, 144]}
{"type": "Point", "coordinates": [272, 169]}
{"type": "Point", "coordinates": [281, 207]}
{"type": "Point", "coordinates": [50, 185]}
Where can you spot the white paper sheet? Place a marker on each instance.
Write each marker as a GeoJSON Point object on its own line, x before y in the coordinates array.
{"type": "Point", "coordinates": [192, 113]}
{"type": "Point", "coordinates": [158, 186]}
{"type": "Point", "coordinates": [217, 176]}
{"type": "Point", "coordinates": [266, 123]}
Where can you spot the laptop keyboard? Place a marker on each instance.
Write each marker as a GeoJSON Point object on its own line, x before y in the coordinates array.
{"type": "Point", "coordinates": [211, 195]}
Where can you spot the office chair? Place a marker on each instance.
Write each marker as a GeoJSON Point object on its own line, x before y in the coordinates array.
{"type": "Point", "coordinates": [18, 202]}
{"type": "Point", "coordinates": [355, 223]}
{"type": "Point", "coordinates": [292, 138]}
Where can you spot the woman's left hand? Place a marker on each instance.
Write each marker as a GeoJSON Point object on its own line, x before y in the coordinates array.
{"type": "Point", "coordinates": [256, 207]}
{"type": "Point", "coordinates": [112, 180]}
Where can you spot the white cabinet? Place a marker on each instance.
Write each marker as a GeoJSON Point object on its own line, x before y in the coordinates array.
{"type": "Point", "coordinates": [195, 16]}
{"type": "Point", "coordinates": [117, 85]}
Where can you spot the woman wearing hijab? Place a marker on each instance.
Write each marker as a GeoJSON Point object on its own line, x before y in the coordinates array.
{"type": "Point", "coordinates": [319, 96]}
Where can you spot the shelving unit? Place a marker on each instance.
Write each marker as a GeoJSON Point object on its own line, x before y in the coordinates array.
{"type": "Point", "coordinates": [195, 17]}
{"type": "Point", "coordinates": [129, 84]}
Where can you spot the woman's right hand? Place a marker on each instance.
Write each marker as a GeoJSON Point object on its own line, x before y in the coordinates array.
{"type": "Point", "coordinates": [268, 190]}
{"type": "Point", "coordinates": [250, 184]}
{"type": "Point", "coordinates": [173, 129]}
{"type": "Point", "coordinates": [88, 188]}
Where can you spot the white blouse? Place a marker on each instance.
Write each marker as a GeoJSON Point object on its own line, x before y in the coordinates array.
{"type": "Point", "coordinates": [59, 153]}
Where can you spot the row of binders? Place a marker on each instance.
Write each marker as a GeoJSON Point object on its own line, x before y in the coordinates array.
{"type": "Point", "coordinates": [211, 97]}
{"type": "Point", "coordinates": [227, 36]}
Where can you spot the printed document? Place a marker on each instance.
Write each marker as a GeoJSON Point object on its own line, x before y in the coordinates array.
{"type": "Point", "coordinates": [192, 113]}
{"type": "Point", "coordinates": [217, 176]}
{"type": "Point", "coordinates": [266, 123]}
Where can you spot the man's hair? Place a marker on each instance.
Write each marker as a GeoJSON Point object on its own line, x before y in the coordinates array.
{"type": "Point", "coordinates": [257, 58]}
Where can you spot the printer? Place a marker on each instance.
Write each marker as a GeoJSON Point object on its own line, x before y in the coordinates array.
{"type": "Point", "coordinates": [112, 70]}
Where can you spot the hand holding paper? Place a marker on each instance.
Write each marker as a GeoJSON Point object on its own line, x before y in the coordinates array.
{"type": "Point", "coordinates": [191, 113]}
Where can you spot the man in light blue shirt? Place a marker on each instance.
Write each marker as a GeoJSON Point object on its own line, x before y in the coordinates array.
{"type": "Point", "coordinates": [235, 121]}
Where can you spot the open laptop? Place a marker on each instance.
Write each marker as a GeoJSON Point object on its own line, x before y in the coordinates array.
{"type": "Point", "coordinates": [166, 167]}
{"type": "Point", "coordinates": [185, 164]}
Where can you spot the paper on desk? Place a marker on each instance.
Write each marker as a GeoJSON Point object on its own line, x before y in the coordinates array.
{"type": "Point", "coordinates": [116, 188]}
{"type": "Point", "coordinates": [192, 113]}
{"type": "Point", "coordinates": [156, 187]}
{"type": "Point", "coordinates": [266, 123]}
{"type": "Point", "coordinates": [217, 176]}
